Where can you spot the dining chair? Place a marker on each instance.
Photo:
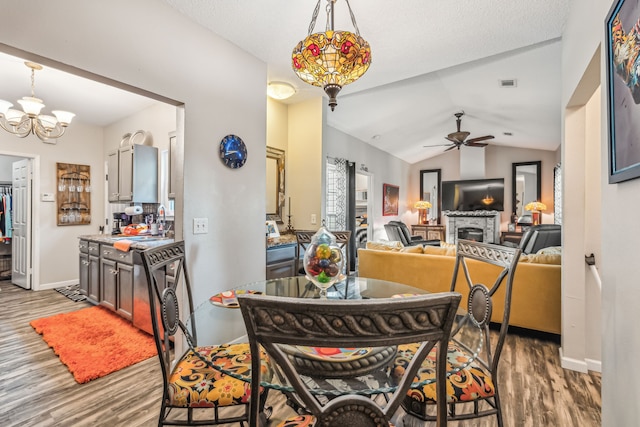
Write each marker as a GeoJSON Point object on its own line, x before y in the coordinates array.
{"type": "Point", "coordinates": [303, 239]}
{"type": "Point", "coordinates": [188, 381]}
{"type": "Point", "coordinates": [272, 322]}
{"type": "Point", "coordinates": [473, 391]}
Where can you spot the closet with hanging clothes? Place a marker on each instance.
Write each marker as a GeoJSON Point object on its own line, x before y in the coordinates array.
{"type": "Point", "coordinates": [6, 189]}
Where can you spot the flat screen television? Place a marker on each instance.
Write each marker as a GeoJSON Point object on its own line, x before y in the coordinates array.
{"type": "Point", "coordinates": [473, 195]}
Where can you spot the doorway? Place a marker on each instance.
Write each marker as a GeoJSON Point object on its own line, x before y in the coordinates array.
{"type": "Point", "coordinates": [17, 237]}
{"type": "Point", "coordinates": [363, 209]}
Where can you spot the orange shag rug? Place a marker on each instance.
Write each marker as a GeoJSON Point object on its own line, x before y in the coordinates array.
{"type": "Point", "coordinates": [94, 342]}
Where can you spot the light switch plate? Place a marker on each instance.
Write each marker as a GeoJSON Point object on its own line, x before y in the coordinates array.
{"type": "Point", "coordinates": [200, 225]}
{"type": "Point", "coordinates": [313, 219]}
{"type": "Point", "coordinates": [48, 197]}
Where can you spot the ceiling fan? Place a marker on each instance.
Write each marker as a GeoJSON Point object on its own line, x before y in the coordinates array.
{"type": "Point", "coordinates": [458, 138]}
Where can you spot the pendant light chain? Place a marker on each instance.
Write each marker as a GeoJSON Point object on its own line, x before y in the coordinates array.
{"type": "Point", "coordinates": [353, 18]}
{"type": "Point", "coordinates": [313, 18]}
{"type": "Point", "coordinates": [33, 83]}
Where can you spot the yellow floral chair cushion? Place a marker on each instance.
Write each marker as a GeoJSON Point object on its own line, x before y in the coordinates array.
{"type": "Point", "coordinates": [194, 384]}
{"type": "Point", "coordinates": [471, 383]}
{"type": "Point", "coordinates": [302, 421]}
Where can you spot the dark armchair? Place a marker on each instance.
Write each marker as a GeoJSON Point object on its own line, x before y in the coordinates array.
{"type": "Point", "coordinates": [398, 231]}
{"type": "Point", "coordinates": [541, 236]}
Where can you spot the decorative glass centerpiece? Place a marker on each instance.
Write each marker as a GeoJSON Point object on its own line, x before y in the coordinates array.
{"type": "Point", "coordinates": [323, 260]}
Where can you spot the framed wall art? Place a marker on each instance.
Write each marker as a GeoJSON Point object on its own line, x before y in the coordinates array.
{"type": "Point", "coordinates": [390, 196]}
{"type": "Point", "coordinates": [74, 194]}
{"type": "Point", "coordinates": [623, 90]}
{"type": "Point", "coordinates": [272, 229]}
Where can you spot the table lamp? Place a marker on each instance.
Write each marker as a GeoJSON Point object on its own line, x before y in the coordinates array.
{"type": "Point", "coordinates": [536, 209]}
{"type": "Point", "coordinates": [423, 207]}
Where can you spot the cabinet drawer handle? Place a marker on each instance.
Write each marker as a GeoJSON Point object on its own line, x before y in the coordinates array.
{"type": "Point", "coordinates": [113, 271]}
{"type": "Point", "coordinates": [123, 256]}
{"type": "Point", "coordinates": [105, 252]}
{"type": "Point", "coordinates": [85, 262]}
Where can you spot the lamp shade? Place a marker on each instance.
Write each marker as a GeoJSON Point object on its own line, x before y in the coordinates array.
{"type": "Point", "coordinates": [535, 206]}
{"type": "Point", "coordinates": [331, 60]}
{"type": "Point", "coordinates": [422, 204]}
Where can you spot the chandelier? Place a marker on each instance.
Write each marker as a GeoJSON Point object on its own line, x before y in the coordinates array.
{"type": "Point", "coordinates": [30, 121]}
{"type": "Point", "coordinates": [331, 59]}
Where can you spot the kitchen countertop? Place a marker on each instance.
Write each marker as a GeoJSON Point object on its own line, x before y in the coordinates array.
{"type": "Point", "coordinates": [139, 242]}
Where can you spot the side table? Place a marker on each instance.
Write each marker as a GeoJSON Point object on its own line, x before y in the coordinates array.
{"type": "Point", "coordinates": [429, 232]}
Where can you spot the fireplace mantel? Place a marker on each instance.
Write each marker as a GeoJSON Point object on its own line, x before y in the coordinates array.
{"type": "Point", "coordinates": [487, 221]}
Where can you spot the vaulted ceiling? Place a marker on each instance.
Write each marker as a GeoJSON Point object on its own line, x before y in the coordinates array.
{"type": "Point", "coordinates": [430, 59]}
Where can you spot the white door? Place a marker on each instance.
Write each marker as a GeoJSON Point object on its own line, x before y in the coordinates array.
{"type": "Point", "coordinates": [21, 217]}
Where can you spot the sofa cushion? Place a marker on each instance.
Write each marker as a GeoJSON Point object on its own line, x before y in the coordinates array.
{"type": "Point", "coordinates": [542, 258]}
{"type": "Point", "coordinates": [439, 250]}
{"type": "Point", "coordinates": [415, 249]}
{"type": "Point", "coordinates": [385, 245]}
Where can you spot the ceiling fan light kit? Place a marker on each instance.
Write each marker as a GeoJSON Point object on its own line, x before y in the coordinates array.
{"type": "Point", "coordinates": [30, 121]}
{"type": "Point", "coordinates": [331, 59]}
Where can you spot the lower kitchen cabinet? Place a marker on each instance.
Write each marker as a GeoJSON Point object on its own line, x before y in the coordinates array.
{"type": "Point", "coordinates": [90, 270]}
{"type": "Point", "coordinates": [116, 281]}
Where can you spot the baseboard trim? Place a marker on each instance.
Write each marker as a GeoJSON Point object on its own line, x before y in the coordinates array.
{"type": "Point", "coordinates": [594, 365]}
{"type": "Point", "coordinates": [573, 364]}
{"type": "Point", "coordinates": [44, 286]}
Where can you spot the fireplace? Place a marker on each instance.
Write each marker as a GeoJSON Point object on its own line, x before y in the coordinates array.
{"type": "Point", "coordinates": [480, 226]}
{"type": "Point", "coordinates": [471, 233]}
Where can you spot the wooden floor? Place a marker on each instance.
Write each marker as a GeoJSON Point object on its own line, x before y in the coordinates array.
{"type": "Point", "coordinates": [37, 390]}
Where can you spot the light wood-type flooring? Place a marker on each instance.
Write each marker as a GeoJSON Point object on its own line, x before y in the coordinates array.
{"type": "Point", "coordinates": [37, 390]}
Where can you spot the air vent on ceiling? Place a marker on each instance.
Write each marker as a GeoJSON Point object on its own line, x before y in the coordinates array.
{"type": "Point", "coordinates": [508, 83]}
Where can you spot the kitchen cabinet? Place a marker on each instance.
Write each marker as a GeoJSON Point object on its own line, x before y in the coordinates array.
{"type": "Point", "coordinates": [133, 174]}
{"type": "Point", "coordinates": [116, 281]}
{"type": "Point", "coordinates": [90, 270]}
{"type": "Point", "coordinates": [281, 261]}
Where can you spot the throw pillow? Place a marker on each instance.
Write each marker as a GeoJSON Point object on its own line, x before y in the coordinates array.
{"type": "Point", "coordinates": [385, 246]}
{"type": "Point", "coordinates": [542, 259]}
{"type": "Point", "coordinates": [551, 250]}
{"type": "Point", "coordinates": [447, 245]}
{"type": "Point", "coordinates": [439, 250]}
{"type": "Point", "coordinates": [415, 249]}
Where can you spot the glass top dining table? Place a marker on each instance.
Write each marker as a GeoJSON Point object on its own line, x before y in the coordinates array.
{"type": "Point", "coordinates": [218, 322]}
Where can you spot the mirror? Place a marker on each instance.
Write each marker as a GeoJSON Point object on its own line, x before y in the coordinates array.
{"type": "Point", "coordinates": [275, 184]}
{"type": "Point", "coordinates": [430, 183]}
{"type": "Point", "coordinates": [525, 185]}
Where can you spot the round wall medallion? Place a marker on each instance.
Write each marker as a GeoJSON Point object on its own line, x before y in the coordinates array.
{"type": "Point", "coordinates": [233, 151]}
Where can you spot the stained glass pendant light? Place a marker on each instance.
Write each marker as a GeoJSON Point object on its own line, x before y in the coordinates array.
{"type": "Point", "coordinates": [331, 59]}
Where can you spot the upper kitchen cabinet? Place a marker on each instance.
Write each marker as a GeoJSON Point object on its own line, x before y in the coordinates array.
{"type": "Point", "coordinates": [133, 174]}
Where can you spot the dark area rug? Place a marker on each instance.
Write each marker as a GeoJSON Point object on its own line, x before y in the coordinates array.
{"type": "Point", "coordinates": [72, 292]}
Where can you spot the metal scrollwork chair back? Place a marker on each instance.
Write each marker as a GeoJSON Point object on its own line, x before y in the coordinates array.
{"type": "Point", "coordinates": [425, 319]}
{"type": "Point", "coordinates": [481, 374]}
{"type": "Point", "coordinates": [188, 382]}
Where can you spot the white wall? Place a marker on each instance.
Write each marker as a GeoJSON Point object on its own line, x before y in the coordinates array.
{"type": "Point", "coordinates": [383, 168]}
{"type": "Point", "coordinates": [56, 247]}
{"type": "Point", "coordinates": [618, 265]}
{"type": "Point", "coordinates": [305, 163]}
{"type": "Point", "coordinates": [149, 45]}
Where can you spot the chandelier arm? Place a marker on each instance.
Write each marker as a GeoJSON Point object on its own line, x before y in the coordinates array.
{"type": "Point", "coordinates": [44, 134]}
{"type": "Point", "coordinates": [313, 18]}
{"type": "Point", "coordinates": [353, 18]}
{"type": "Point", "coordinates": [21, 130]}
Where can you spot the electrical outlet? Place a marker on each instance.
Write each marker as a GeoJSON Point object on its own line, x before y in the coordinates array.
{"type": "Point", "coordinates": [313, 219]}
{"type": "Point", "coordinates": [200, 225]}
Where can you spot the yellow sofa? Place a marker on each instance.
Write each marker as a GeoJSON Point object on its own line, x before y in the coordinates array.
{"type": "Point", "coordinates": [535, 302]}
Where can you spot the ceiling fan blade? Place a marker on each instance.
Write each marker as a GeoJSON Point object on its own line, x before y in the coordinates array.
{"type": "Point", "coordinates": [476, 144]}
{"type": "Point", "coordinates": [452, 147]}
{"type": "Point", "coordinates": [481, 138]}
{"type": "Point", "coordinates": [436, 145]}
